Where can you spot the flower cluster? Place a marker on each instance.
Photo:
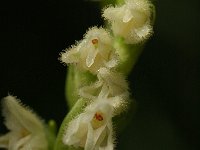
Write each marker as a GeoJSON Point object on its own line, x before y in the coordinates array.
{"type": "Point", "coordinates": [108, 95]}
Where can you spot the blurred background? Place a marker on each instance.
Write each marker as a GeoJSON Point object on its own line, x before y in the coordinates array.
{"type": "Point", "coordinates": [165, 82]}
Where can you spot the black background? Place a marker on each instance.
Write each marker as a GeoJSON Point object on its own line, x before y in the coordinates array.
{"type": "Point", "coordinates": [165, 82]}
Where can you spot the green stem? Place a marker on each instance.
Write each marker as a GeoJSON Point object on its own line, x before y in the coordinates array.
{"type": "Point", "coordinates": [50, 131]}
{"type": "Point", "coordinates": [77, 109]}
{"type": "Point", "coordinates": [128, 54]}
{"type": "Point", "coordinates": [75, 80]}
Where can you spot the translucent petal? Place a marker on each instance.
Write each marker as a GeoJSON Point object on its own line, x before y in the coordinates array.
{"type": "Point", "coordinates": [92, 53]}
{"type": "Point", "coordinates": [90, 137]}
{"type": "Point", "coordinates": [128, 16]}
{"type": "Point", "coordinates": [17, 116]}
{"type": "Point", "coordinates": [26, 129]}
{"type": "Point", "coordinates": [126, 20]}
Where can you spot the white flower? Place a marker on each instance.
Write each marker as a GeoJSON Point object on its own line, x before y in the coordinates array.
{"type": "Point", "coordinates": [111, 86]}
{"type": "Point", "coordinates": [131, 20]}
{"type": "Point", "coordinates": [93, 52]}
{"type": "Point", "coordinates": [109, 83]}
{"type": "Point", "coordinates": [92, 129]}
{"type": "Point", "coordinates": [26, 130]}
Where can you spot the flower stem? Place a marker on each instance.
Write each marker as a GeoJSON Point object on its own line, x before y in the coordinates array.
{"type": "Point", "coordinates": [76, 109]}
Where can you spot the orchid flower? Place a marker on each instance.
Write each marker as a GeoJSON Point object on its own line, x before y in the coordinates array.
{"type": "Point", "coordinates": [93, 52]}
{"type": "Point", "coordinates": [111, 83]}
{"type": "Point", "coordinates": [26, 130]}
{"type": "Point", "coordinates": [92, 129]}
{"type": "Point", "coordinates": [132, 21]}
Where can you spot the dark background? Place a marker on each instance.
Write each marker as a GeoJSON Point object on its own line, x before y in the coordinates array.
{"type": "Point", "coordinates": [165, 82]}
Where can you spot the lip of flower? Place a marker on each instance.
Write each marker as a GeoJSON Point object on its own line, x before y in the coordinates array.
{"type": "Point", "coordinates": [131, 20]}
{"type": "Point", "coordinates": [93, 52]}
{"type": "Point", "coordinates": [92, 129]}
{"type": "Point", "coordinates": [26, 129]}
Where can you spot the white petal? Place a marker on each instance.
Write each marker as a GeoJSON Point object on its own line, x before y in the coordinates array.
{"type": "Point", "coordinates": [116, 82]}
{"type": "Point", "coordinates": [4, 140]}
{"type": "Point", "coordinates": [18, 116]}
{"type": "Point", "coordinates": [26, 129]}
{"type": "Point", "coordinates": [128, 16]}
{"type": "Point", "coordinates": [128, 19]}
{"type": "Point", "coordinates": [70, 56]}
{"type": "Point", "coordinates": [104, 92]}
{"type": "Point", "coordinates": [87, 134]}
{"type": "Point", "coordinates": [76, 130]}
{"type": "Point", "coordinates": [113, 61]}
{"type": "Point", "coordinates": [144, 31]}
{"type": "Point", "coordinates": [20, 144]}
{"type": "Point", "coordinates": [92, 53]}
{"type": "Point", "coordinates": [113, 13]}
{"type": "Point", "coordinates": [91, 91]}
